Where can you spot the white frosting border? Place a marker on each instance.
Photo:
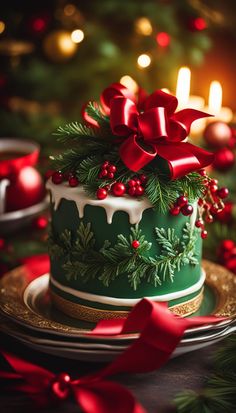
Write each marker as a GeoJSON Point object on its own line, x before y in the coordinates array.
{"type": "Point", "coordinates": [129, 302]}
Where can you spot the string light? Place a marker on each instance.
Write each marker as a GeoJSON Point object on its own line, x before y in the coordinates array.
{"type": "Point", "coordinates": [65, 43]}
{"type": "Point", "coordinates": [130, 83]}
{"type": "Point", "coordinates": [69, 10]}
{"type": "Point", "coordinates": [163, 39]}
{"type": "Point", "coordinates": [77, 36]}
{"type": "Point", "coordinates": [143, 26]}
{"type": "Point", "coordinates": [2, 26]}
{"type": "Point", "coordinates": [144, 60]}
{"type": "Point", "coordinates": [199, 23]}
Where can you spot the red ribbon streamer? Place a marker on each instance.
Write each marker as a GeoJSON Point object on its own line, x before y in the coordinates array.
{"type": "Point", "coordinates": [155, 131]}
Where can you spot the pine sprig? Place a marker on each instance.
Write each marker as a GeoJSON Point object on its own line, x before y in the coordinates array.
{"type": "Point", "coordinates": [77, 131]}
{"type": "Point", "coordinates": [112, 261]}
{"type": "Point", "coordinates": [218, 395]}
{"type": "Point", "coordinates": [93, 109]}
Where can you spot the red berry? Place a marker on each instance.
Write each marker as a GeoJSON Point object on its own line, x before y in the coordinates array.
{"type": "Point", "coordinates": [73, 181]}
{"type": "Point", "coordinates": [41, 222]}
{"type": "Point", "coordinates": [204, 234]}
{"type": "Point", "coordinates": [214, 182]}
{"type": "Point", "coordinates": [101, 193]}
{"type": "Point", "coordinates": [100, 175]}
{"type": "Point", "coordinates": [135, 244]}
{"type": "Point", "coordinates": [64, 379]}
{"type": "Point", "coordinates": [199, 223]}
{"type": "Point", "coordinates": [213, 188]}
{"type": "Point", "coordinates": [112, 168]}
{"type": "Point", "coordinates": [227, 245]}
{"type": "Point", "coordinates": [209, 218]}
{"type": "Point", "coordinates": [49, 173]}
{"type": "Point", "coordinates": [118, 189]}
{"type": "Point", "coordinates": [131, 183]}
{"type": "Point", "coordinates": [105, 165]}
{"type": "Point", "coordinates": [202, 172]}
{"type": "Point", "coordinates": [214, 209]}
{"type": "Point", "coordinates": [131, 191]}
{"type": "Point", "coordinates": [139, 190]}
{"type": "Point", "coordinates": [57, 177]}
{"type": "Point", "coordinates": [137, 181]}
{"type": "Point", "coordinates": [104, 173]}
{"type": "Point", "coordinates": [175, 210]}
{"type": "Point", "coordinates": [223, 192]}
{"type": "Point", "coordinates": [187, 210]}
{"type": "Point", "coordinates": [143, 179]}
{"type": "Point", "coordinates": [181, 201]}
{"type": "Point", "coordinates": [110, 175]}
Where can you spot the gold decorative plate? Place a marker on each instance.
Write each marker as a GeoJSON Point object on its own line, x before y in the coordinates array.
{"type": "Point", "coordinates": [38, 313]}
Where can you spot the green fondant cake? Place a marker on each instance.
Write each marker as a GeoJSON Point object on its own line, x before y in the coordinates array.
{"type": "Point", "coordinates": [127, 222]}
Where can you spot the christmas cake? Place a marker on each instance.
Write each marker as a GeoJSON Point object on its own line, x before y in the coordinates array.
{"type": "Point", "coordinates": [129, 198]}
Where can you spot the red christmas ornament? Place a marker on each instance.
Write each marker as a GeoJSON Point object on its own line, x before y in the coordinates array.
{"type": "Point", "coordinates": [118, 189]}
{"type": "Point", "coordinates": [227, 245]}
{"type": "Point", "coordinates": [217, 134]}
{"type": "Point", "coordinates": [224, 159]}
{"type": "Point", "coordinates": [135, 244]}
{"type": "Point", "coordinates": [73, 181]}
{"type": "Point", "coordinates": [101, 193]}
{"type": "Point", "coordinates": [27, 190]}
{"type": "Point", "coordinates": [57, 177]}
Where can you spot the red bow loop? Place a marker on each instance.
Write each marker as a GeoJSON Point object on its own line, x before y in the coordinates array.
{"type": "Point", "coordinates": [160, 98]}
{"type": "Point", "coordinates": [123, 116]}
{"type": "Point", "coordinates": [113, 91]}
{"type": "Point", "coordinates": [153, 124]}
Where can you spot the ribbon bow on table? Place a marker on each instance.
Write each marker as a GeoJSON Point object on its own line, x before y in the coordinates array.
{"type": "Point", "coordinates": [160, 332]}
{"type": "Point", "coordinates": [156, 130]}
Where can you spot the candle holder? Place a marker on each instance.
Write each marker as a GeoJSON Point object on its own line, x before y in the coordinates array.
{"type": "Point", "coordinates": [22, 191]}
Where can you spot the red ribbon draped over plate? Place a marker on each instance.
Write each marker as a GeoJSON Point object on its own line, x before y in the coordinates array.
{"type": "Point", "coordinates": [157, 130]}
{"type": "Point", "coordinates": [160, 332]}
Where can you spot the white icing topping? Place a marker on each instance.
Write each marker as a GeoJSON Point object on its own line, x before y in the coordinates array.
{"type": "Point", "coordinates": [111, 204]}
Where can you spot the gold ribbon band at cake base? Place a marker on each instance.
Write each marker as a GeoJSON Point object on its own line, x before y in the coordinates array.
{"type": "Point", "coordinates": [92, 314]}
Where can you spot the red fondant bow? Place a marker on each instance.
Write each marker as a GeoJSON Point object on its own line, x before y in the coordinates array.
{"type": "Point", "coordinates": [156, 130]}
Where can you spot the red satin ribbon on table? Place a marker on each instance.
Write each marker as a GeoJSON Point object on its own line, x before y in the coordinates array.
{"type": "Point", "coordinates": [155, 131]}
{"type": "Point", "coordinates": [160, 333]}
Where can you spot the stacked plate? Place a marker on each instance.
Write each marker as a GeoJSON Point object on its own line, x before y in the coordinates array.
{"type": "Point", "coordinates": [28, 315]}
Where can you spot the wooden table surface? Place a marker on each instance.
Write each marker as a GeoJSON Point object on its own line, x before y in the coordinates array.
{"type": "Point", "coordinates": [154, 390]}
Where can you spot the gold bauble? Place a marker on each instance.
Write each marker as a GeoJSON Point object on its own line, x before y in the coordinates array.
{"type": "Point", "coordinates": [59, 46]}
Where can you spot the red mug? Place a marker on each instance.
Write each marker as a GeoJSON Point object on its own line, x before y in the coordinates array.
{"type": "Point", "coordinates": [21, 185]}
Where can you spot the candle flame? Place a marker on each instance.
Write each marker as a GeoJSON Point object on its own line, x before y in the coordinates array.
{"type": "Point", "coordinates": [215, 97]}
{"type": "Point", "coordinates": [183, 86]}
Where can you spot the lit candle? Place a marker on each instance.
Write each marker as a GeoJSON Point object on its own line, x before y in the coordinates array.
{"type": "Point", "coordinates": [183, 86]}
{"type": "Point", "coordinates": [215, 104]}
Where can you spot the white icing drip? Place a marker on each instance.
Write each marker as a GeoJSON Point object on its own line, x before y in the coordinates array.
{"type": "Point", "coordinates": [132, 206]}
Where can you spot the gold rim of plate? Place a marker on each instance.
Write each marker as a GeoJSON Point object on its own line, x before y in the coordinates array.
{"type": "Point", "coordinates": [13, 284]}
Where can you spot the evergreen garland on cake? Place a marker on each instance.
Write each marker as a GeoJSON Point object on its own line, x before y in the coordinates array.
{"type": "Point", "coordinates": [128, 255]}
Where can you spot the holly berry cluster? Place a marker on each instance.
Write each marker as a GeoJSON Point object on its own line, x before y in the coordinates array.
{"type": "Point", "coordinates": [212, 203]}
{"type": "Point", "coordinates": [58, 177]}
{"type": "Point", "coordinates": [181, 206]}
{"type": "Point", "coordinates": [134, 187]}
{"type": "Point", "coordinates": [227, 254]}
